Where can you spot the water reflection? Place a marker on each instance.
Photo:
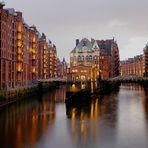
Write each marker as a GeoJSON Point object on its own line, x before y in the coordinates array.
{"type": "Point", "coordinates": [117, 120]}
{"type": "Point", "coordinates": [145, 102]}
{"type": "Point", "coordinates": [82, 85]}
{"type": "Point", "coordinates": [27, 121]}
{"type": "Point", "coordinates": [87, 120]}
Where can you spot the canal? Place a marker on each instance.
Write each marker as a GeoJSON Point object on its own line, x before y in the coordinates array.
{"type": "Point", "coordinates": [116, 120]}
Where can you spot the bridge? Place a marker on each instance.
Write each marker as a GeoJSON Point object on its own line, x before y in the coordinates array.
{"type": "Point", "coordinates": [129, 79]}
{"type": "Point", "coordinates": [45, 84]}
{"type": "Point", "coordinates": [53, 80]}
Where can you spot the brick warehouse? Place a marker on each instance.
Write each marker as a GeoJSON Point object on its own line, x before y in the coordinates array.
{"type": "Point", "coordinates": [137, 65]}
{"type": "Point", "coordinates": [25, 55]}
{"type": "Point", "coordinates": [132, 66]}
{"type": "Point", "coordinates": [89, 59]}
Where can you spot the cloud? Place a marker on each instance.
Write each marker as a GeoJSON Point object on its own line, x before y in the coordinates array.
{"type": "Point", "coordinates": [65, 20]}
{"type": "Point", "coordinates": [117, 23]}
{"type": "Point", "coordinates": [133, 47]}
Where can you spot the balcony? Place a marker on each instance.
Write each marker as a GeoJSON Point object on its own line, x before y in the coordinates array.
{"type": "Point", "coordinates": [19, 51]}
{"type": "Point", "coordinates": [19, 68]}
{"type": "Point", "coordinates": [33, 57]}
{"type": "Point", "coordinates": [19, 43]}
{"type": "Point", "coordinates": [19, 36]}
{"type": "Point", "coordinates": [44, 65]}
{"type": "Point", "coordinates": [33, 51]}
{"type": "Point", "coordinates": [44, 71]}
{"type": "Point", "coordinates": [19, 58]}
{"type": "Point", "coordinates": [34, 39]}
{"type": "Point", "coordinates": [19, 29]}
{"type": "Point", "coordinates": [45, 47]}
{"type": "Point", "coordinates": [34, 45]}
{"type": "Point", "coordinates": [33, 69]}
{"type": "Point", "coordinates": [44, 57]}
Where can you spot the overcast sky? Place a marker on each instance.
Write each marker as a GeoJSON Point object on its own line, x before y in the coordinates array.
{"type": "Point", "coordinates": [65, 20]}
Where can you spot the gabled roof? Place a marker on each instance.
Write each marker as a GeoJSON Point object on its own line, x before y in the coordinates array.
{"type": "Point", "coordinates": [84, 46]}
{"type": "Point", "coordinates": [95, 45]}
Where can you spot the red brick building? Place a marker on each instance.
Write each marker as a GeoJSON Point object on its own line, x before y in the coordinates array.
{"type": "Point", "coordinates": [42, 57]}
{"type": "Point", "coordinates": [133, 66]}
{"type": "Point", "coordinates": [8, 48]}
{"type": "Point", "coordinates": [145, 57]}
{"type": "Point", "coordinates": [110, 49]}
{"type": "Point", "coordinates": [89, 59]}
{"type": "Point", "coordinates": [136, 66]}
{"type": "Point", "coordinates": [105, 65]}
{"type": "Point", "coordinates": [62, 68]}
{"type": "Point", "coordinates": [25, 56]}
{"type": "Point", "coordinates": [54, 64]}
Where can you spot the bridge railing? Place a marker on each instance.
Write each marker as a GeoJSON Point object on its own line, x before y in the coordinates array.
{"type": "Point", "coordinates": [53, 80]}
{"type": "Point", "coordinates": [129, 78]}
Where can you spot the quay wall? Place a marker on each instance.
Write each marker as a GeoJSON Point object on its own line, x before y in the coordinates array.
{"type": "Point", "coordinates": [16, 94]}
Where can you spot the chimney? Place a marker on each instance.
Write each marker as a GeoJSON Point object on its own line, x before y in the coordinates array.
{"type": "Point", "coordinates": [92, 40]}
{"type": "Point", "coordinates": [77, 42]}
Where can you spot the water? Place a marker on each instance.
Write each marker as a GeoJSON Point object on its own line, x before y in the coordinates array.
{"type": "Point", "coordinates": [117, 120]}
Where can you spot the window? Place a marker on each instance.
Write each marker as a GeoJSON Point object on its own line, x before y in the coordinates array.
{"type": "Point", "coordinates": [90, 57]}
{"type": "Point", "coordinates": [82, 58]}
{"type": "Point", "coordinates": [95, 57]}
{"type": "Point", "coordinates": [87, 58]}
{"type": "Point", "coordinates": [79, 58]}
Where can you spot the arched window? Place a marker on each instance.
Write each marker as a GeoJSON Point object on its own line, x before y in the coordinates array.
{"type": "Point", "coordinates": [90, 57]}
{"type": "Point", "coordinates": [79, 58]}
{"type": "Point", "coordinates": [82, 58]}
{"type": "Point", "coordinates": [87, 58]}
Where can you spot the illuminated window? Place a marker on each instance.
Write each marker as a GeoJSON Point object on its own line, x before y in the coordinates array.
{"type": "Point", "coordinates": [95, 57]}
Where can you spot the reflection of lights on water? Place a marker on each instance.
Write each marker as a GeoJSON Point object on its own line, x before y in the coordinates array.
{"type": "Point", "coordinates": [73, 119]}
{"type": "Point", "coordinates": [73, 113]}
{"type": "Point", "coordinates": [73, 85]}
{"type": "Point", "coordinates": [83, 86]}
{"type": "Point", "coordinates": [96, 109]}
{"type": "Point", "coordinates": [92, 87]}
{"type": "Point", "coordinates": [92, 110]}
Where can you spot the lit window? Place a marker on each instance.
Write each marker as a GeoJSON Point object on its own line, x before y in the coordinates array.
{"type": "Point", "coordinates": [95, 57]}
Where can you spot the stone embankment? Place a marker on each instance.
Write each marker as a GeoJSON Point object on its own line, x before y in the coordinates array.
{"type": "Point", "coordinates": [16, 94]}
